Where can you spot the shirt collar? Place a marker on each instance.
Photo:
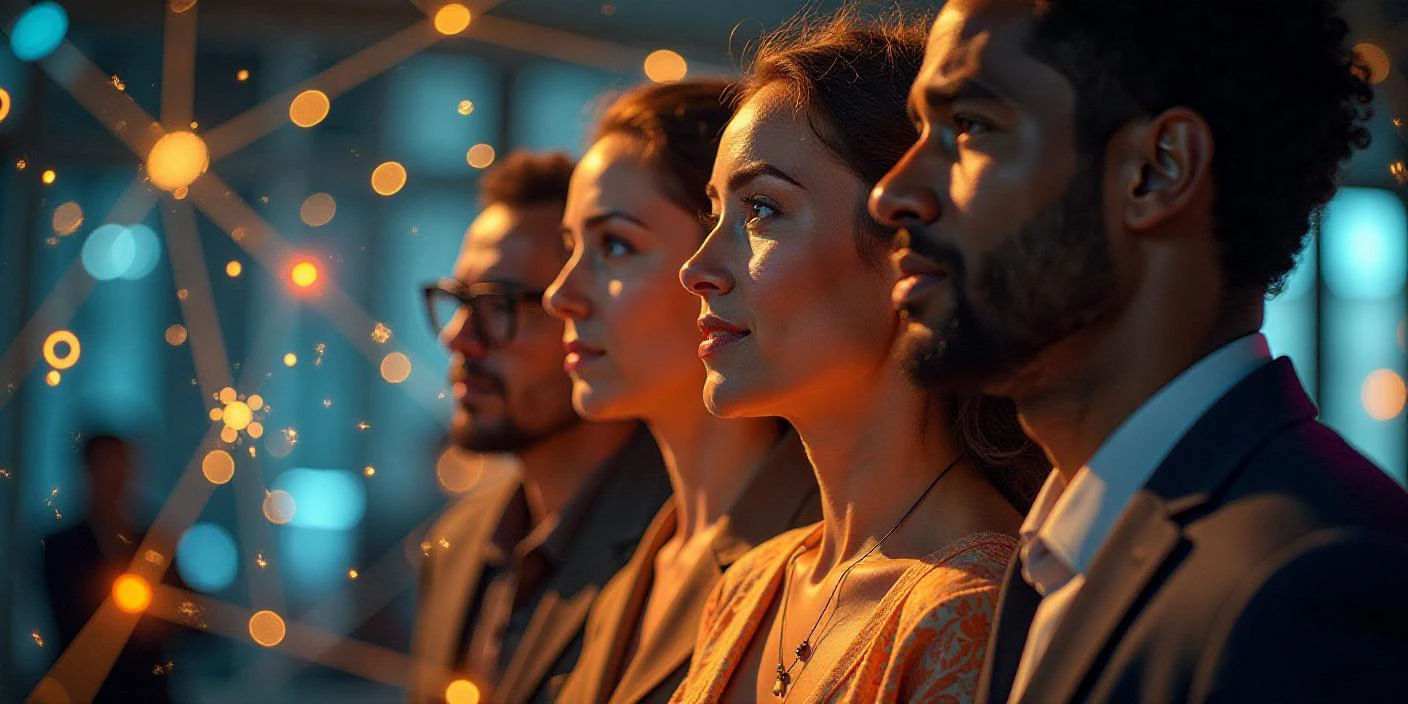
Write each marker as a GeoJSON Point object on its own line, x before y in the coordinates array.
{"type": "Point", "coordinates": [1072, 521]}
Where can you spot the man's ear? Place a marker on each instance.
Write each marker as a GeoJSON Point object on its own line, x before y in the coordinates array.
{"type": "Point", "coordinates": [1167, 162]}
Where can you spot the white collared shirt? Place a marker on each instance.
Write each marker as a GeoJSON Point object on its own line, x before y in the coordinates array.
{"type": "Point", "coordinates": [1068, 524]}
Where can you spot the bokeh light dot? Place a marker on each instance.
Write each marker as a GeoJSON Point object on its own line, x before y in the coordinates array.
{"type": "Point", "coordinates": [290, 359]}
{"type": "Point", "coordinates": [177, 160]}
{"type": "Point", "coordinates": [303, 274]}
{"type": "Point", "coordinates": [71, 349]}
{"type": "Point", "coordinates": [458, 470]}
{"type": "Point", "coordinates": [395, 367]}
{"type": "Point", "coordinates": [53, 378]}
{"type": "Point", "coordinates": [176, 335]}
{"type": "Point", "coordinates": [255, 401]}
{"type": "Point", "coordinates": [234, 268]}
{"type": "Point", "coordinates": [38, 31]}
{"type": "Point", "coordinates": [267, 628]}
{"type": "Point", "coordinates": [218, 466]}
{"type": "Point", "coordinates": [217, 413]}
{"type": "Point", "coordinates": [68, 217]}
{"type": "Point", "coordinates": [279, 507]}
{"type": "Point", "coordinates": [480, 156]}
{"type": "Point", "coordinates": [318, 210]}
{"type": "Point", "coordinates": [465, 107]}
{"type": "Point", "coordinates": [229, 435]}
{"type": "Point", "coordinates": [462, 692]}
{"type": "Point", "coordinates": [388, 178]}
{"type": "Point", "coordinates": [665, 66]}
{"type": "Point", "coordinates": [1375, 60]}
{"type": "Point", "coordinates": [49, 177]}
{"type": "Point", "coordinates": [5, 104]}
{"type": "Point", "coordinates": [255, 430]}
{"type": "Point", "coordinates": [228, 395]}
{"type": "Point", "coordinates": [131, 593]}
{"type": "Point", "coordinates": [452, 19]}
{"type": "Point", "coordinates": [238, 415]}
{"type": "Point", "coordinates": [242, 75]}
{"type": "Point", "coordinates": [1383, 394]}
{"type": "Point", "coordinates": [309, 108]}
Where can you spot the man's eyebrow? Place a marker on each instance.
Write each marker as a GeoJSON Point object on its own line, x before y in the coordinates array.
{"type": "Point", "coordinates": [943, 94]}
{"type": "Point", "coordinates": [758, 169]}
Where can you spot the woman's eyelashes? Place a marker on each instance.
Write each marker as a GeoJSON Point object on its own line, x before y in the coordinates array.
{"type": "Point", "coordinates": [756, 208]}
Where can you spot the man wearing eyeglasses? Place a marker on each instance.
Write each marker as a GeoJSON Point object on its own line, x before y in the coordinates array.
{"type": "Point", "coordinates": [514, 565]}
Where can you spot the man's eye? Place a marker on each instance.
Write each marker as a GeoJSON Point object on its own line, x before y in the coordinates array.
{"type": "Point", "coordinates": [615, 246]}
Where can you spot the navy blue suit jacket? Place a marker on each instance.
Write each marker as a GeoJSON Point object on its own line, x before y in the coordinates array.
{"type": "Point", "coordinates": [1265, 560]}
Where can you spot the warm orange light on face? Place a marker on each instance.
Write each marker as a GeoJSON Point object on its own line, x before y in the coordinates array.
{"type": "Point", "coordinates": [452, 19]}
{"type": "Point", "coordinates": [309, 108]}
{"type": "Point", "coordinates": [177, 160]}
{"type": "Point", "coordinates": [665, 66]}
{"type": "Point", "coordinates": [303, 274]}
{"type": "Point", "coordinates": [462, 692]}
{"type": "Point", "coordinates": [131, 594]}
{"type": "Point", "coordinates": [267, 628]}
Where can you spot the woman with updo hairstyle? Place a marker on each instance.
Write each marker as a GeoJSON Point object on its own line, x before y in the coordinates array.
{"type": "Point", "coordinates": [890, 597]}
{"type": "Point", "coordinates": [631, 341]}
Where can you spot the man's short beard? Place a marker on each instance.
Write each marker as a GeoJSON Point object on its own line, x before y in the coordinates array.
{"type": "Point", "coordinates": [506, 436]}
{"type": "Point", "coordinates": [1054, 277]}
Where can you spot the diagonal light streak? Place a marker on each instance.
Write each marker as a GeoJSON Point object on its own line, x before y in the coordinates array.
{"type": "Point", "coordinates": [94, 90]}
{"type": "Point", "coordinates": [178, 69]}
{"type": "Point", "coordinates": [347, 74]}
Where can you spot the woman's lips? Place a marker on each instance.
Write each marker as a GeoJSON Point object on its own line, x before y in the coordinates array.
{"type": "Point", "coordinates": [718, 340]}
{"type": "Point", "coordinates": [579, 354]}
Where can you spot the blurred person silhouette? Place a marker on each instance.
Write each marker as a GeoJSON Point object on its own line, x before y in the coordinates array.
{"type": "Point", "coordinates": [81, 563]}
{"type": "Point", "coordinates": [514, 566]}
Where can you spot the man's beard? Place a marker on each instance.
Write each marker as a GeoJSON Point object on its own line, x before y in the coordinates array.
{"type": "Point", "coordinates": [1055, 276]}
{"type": "Point", "coordinates": [505, 435]}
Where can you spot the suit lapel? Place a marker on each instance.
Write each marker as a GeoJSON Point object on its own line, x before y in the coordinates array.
{"type": "Point", "coordinates": [451, 594]}
{"type": "Point", "coordinates": [1016, 606]}
{"type": "Point", "coordinates": [671, 646]}
{"type": "Point", "coordinates": [1149, 532]}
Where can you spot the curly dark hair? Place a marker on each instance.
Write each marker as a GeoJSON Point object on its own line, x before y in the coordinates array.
{"type": "Point", "coordinates": [525, 178]}
{"type": "Point", "coordinates": [1275, 80]}
{"type": "Point", "coordinates": [851, 76]}
{"type": "Point", "coordinates": [679, 125]}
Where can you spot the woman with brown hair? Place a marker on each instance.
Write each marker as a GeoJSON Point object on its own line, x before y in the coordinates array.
{"type": "Point", "coordinates": [889, 597]}
{"type": "Point", "coordinates": [632, 218]}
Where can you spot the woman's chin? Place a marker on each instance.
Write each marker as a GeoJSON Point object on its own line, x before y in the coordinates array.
{"type": "Point", "coordinates": [728, 398]}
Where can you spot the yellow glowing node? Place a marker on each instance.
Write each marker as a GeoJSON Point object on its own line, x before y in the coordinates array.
{"type": "Point", "coordinates": [452, 19]}
{"type": "Point", "coordinates": [5, 104]}
{"type": "Point", "coordinates": [461, 692]}
{"type": "Point", "coordinates": [1383, 394]}
{"type": "Point", "coordinates": [1375, 60]}
{"type": "Point", "coordinates": [243, 75]}
{"type": "Point", "coordinates": [68, 218]}
{"type": "Point", "coordinates": [309, 108]}
{"type": "Point", "coordinates": [229, 435]}
{"type": "Point", "coordinates": [227, 395]}
{"type": "Point", "coordinates": [49, 177]}
{"type": "Point", "coordinates": [255, 401]}
{"type": "Point", "coordinates": [255, 430]}
{"type": "Point", "coordinates": [395, 367]}
{"type": "Point", "coordinates": [318, 210]}
{"type": "Point", "coordinates": [388, 178]}
{"type": "Point", "coordinates": [177, 160]}
{"type": "Point", "coordinates": [303, 274]}
{"type": "Point", "coordinates": [466, 107]}
{"type": "Point", "coordinates": [131, 593]}
{"type": "Point", "coordinates": [290, 359]}
{"type": "Point", "coordinates": [70, 357]}
{"type": "Point", "coordinates": [279, 507]}
{"type": "Point", "coordinates": [665, 66]}
{"type": "Point", "coordinates": [267, 628]}
{"type": "Point", "coordinates": [218, 466]}
{"type": "Point", "coordinates": [176, 335]}
{"type": "Point", "coordinates": [351, 574]}
{"type": "Point", "coordinates": [480, 156]}
{"type": "Point", "coordinates": [238, 415]}
{"type": "Point", "coordinates": [234, 268]}
{"type": "Point", "coordinates": [369, 471]}
{"type": "Point", "coordinates": [53, 378]}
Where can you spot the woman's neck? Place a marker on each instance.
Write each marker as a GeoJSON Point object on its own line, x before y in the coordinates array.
{"type": "Point", "coordinates": [874, 456]}
{"type": "Point", "coordinates": [710, 461]}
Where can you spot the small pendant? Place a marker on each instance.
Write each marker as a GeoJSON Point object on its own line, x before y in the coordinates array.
{"type": "Point", "coordinates": [779, 686]}
{"type": "Point", "coordinates": [804, 651]}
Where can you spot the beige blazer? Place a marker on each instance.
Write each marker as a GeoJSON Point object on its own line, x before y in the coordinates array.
{"type": "Point", "coordinates": [630, 495]}
{"type": "Point", "coordinates": [783, 495]}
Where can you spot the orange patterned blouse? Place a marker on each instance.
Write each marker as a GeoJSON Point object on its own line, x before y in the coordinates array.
{"type": "Point", "coordinates": [923, 643]}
